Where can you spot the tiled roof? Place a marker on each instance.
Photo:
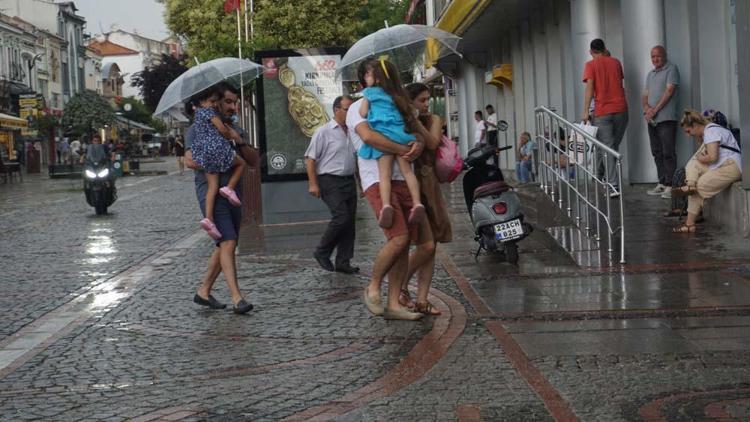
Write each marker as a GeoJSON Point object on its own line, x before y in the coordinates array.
{"type": "Point", "coordinates": [108, 48]}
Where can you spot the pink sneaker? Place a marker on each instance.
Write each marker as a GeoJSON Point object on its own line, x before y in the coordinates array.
{"type": "Point", "coordinates": [231, 196]}
{"type": "Point", "coordinates": [210, 228]}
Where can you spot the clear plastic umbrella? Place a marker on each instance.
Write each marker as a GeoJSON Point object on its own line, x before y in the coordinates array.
{"type": "Point", "coordinates": [404, 45]}
{"type": "Point", "coordinates": [196, 79]}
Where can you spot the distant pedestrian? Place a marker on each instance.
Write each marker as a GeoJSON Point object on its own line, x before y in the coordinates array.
{"type": "Point", "coordinates": [64, 150]}
{"type": "Point", "coordinates": [660, 111]}
{"type": "Point", "coordinates": [179, 152]}
{"type": "Point", "coordinates": [603, 77]}
{"type": "Point", "coordinates": [525, 156]}
{"type": "Point", "coordinates": [75, 151]}
{"type": "Point", "coordinates": [330, 164]}
{"type": "Point", "coordinates": [480, 130]}
{"type": "Point", "coordinates": [491, 125]}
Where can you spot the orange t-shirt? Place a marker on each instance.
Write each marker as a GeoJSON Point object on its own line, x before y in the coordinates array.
{"type": "Point", "coordinates": [609, 95]}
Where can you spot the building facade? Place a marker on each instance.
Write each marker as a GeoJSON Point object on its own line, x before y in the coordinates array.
{"type": "Point", "coordinates": [132, 53]}
{"type": "Point", "coordinates": [546, 43]}
{"type": "Point", "coordinates": [93, 71]}
{"type": "Point", "coordinates": [62, 20]}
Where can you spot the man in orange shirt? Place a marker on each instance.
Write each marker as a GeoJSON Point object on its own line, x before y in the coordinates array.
{"type": "Point", "coordinates": [603, 78]}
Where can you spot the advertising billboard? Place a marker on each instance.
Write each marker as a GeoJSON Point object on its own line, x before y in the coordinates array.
{"type": "Point", "coordinates": [295, 97]}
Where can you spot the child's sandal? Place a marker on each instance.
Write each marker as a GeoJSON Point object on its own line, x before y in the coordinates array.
{"type": "Point", "coordinates": [386, 217]}
{"type": "Point", "coordinates": [417, 214]}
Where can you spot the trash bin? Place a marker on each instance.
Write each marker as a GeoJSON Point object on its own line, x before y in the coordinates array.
{"type": "Point", "coordinates": [33, 161]}
{"type": "Point", "coordinates": [117, 165]}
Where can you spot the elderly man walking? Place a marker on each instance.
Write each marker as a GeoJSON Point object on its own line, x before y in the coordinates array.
{"type": "Point", "coordinates": [660, 111]}
{"type": "Point", "coordinates": [329, 160]}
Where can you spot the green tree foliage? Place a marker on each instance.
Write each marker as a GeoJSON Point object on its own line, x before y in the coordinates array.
{"type": "Point", "coordinates": [278, 24]}
{"type": "Point", "coordinates": [87, 112]}
{"type": "Point", "coordinates": [154, 80]}
{"type": "Point", "coordinates": [376, 12]}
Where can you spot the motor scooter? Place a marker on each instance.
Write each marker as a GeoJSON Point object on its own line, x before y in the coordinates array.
{"type": "Point", "coordinates": [493, 205]}
{"type": "Point", "coordinates": [98, 179]}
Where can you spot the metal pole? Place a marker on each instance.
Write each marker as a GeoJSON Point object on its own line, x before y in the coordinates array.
{"type": "Point", "coordinates": [622, 214]}
{"type": "Point", "coordinates": [239, 53]}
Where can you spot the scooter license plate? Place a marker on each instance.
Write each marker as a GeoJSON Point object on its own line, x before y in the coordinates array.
{"type": "Point", "coordinates": [509, 231]}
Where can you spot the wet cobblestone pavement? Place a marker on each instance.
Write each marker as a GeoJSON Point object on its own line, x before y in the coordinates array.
{"type": "Point", "coordinates": [97, 323]}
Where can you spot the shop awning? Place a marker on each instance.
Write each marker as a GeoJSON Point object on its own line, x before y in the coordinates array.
{"type": "Point", "coordinates": [12, 122]}
{"type": "Point", "coordinates": [501, 75]}
{"type": "Point", "coordinates": [460, 14]}
{"type": "Point", "coordinates": [135, 125]}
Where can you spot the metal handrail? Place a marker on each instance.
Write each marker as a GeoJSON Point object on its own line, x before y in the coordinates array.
{"type": "Point", "coordinates": [569, 174]}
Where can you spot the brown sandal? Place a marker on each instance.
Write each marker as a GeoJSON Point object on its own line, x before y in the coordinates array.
{"type": "Point", "coordinates": [686, 190]}
{"type": "Point", "coordinates": [684, 228]}
{"type": "Point", "coordinates": [427, 308]}
{"type": "Point", "coordinates": [404, 299]}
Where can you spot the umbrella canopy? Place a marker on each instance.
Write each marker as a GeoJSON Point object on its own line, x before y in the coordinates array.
{"type": "Point", "coordinates": [205, 75]}
{"type": "Point", "coordinates": [404, 45]}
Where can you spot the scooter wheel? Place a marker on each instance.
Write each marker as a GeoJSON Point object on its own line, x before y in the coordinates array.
{"type": "Point", "coordinates": [511, 253]}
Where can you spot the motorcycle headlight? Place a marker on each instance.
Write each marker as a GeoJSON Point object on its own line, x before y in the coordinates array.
{"type": "Point", "coordinates": [103, 173]}
{"type": "Point", "coordinates": [89, 174]}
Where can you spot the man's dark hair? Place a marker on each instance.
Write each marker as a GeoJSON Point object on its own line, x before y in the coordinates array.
{"type": "Point", "coordinates": [478, 113]}
{"type": "Point", "coordinates": [222, 87]}
{"type": "Point", "coordinates": [489, 106]}
{"type": "Point", "coordinates": [597, 46]}
{"type": "Point", "coordinates": [339, 99]}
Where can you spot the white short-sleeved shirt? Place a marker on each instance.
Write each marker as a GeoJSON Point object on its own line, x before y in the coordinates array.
{"type": "Point", "coordinates": [492, 118]}
{"type": "Point", "coordinates": [478, 132]}
{"type": "Point", "coordinates": [368, 169]}
{"type": "Point", "coordinates": [331, 150]}
{"type": "Point", "coordinates": [715, 133]}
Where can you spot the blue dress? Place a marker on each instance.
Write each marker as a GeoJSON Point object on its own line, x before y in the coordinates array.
{"type": "Point", "coordinates": [384, 118]}
{"type": "Point", "coordinates": [211, 151]}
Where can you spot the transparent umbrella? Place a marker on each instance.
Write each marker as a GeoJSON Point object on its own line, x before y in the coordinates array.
{"type": "Point", "coordinates": [404, 45]}
{"type": "Point", "coordinates": [232, 70]}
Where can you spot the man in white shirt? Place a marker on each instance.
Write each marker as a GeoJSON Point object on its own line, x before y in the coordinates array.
{"type": "Point", "coordinates": [491, 125]}
{"type": "Point", "coordinates": [393, 258]}
{"type": "Point", "coordinates": [329, 161]}
{"type": "Point", "coordinates": [480, 131]}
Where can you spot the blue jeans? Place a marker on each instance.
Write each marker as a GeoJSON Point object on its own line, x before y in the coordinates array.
{"type": "Point", "coordinates": [611, 129]}
{"type": "Point", "coordinates": [523, 171]}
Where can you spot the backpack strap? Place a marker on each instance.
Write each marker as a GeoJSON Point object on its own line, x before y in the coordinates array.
{"type": "Point", "coordinates": [721, 145]}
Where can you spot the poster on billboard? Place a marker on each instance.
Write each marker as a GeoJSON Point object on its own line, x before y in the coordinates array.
{"type": "Point", "coordinates": [295, 97]}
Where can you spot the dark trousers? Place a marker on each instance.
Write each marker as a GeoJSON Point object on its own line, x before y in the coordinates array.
{"type": "Point", "coordinates": [662, 137]}
{"type": "Point", "coordinates": [340, 195]}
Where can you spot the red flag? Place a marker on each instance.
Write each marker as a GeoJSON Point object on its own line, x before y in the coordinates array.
{"type": "Point", "coordinates": [231, 5]}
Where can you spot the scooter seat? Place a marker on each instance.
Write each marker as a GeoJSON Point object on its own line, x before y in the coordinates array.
{"type": "Point", "coordinates": [491, 188]}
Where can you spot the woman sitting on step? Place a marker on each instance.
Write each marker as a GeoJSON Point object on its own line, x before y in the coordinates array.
{"type": "Point", "coordinates": [715, 166]}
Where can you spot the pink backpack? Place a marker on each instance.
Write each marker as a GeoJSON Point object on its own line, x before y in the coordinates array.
{"type": "Point", "coordinates": [448, 161]}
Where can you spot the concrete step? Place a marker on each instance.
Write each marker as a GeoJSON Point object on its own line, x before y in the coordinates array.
{"type": "Point", "coordinates": [730, 209]}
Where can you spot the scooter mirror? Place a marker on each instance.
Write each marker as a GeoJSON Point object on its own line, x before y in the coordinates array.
{"type": "Point", "coordinates": [502, 125]}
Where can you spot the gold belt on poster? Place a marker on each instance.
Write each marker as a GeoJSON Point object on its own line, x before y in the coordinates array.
{"type": "Point", "coordinates": [304, 107]}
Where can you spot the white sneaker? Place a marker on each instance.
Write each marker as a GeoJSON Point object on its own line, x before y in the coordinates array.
{"type": "Point", "coordinates": [667, 194]}
{"type": "Point", "coordinates": [656, 191]}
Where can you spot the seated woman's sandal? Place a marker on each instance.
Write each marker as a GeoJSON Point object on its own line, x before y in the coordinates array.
{"type": "Point", "coordinates": [684, 228]}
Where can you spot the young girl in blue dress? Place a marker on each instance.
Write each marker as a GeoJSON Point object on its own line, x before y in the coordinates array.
{"type": "Point", "coordinates": [388, 110]}
{"type": "Point", "coordinates": [213, 151]}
